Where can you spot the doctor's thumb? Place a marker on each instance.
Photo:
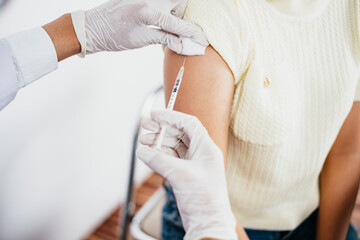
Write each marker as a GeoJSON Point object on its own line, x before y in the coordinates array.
{"type": "Point", "coordinates": [153, 158]}
{"type": "Point", "coordinates": [146, 154]}
{"type": "Point", "coordinates": [158, 161]}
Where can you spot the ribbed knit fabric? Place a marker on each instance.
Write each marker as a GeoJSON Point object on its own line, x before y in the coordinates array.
{"type": "Point", "coordinates": [296, 79]}
{"type": "Point", "coordinates": [298, 7]}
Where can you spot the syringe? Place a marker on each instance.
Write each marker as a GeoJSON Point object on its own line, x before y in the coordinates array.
{"type": "Point", "coordinates": [171, 103]}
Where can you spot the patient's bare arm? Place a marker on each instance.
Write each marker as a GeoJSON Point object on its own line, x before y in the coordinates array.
{"type": "Point", "coordinates": [339, 181]}
{"type": "Point", "coordinates": [206, 92]}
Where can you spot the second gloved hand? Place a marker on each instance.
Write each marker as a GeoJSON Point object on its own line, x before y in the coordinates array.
{"type": "Point", "coordinates": [128, 24]}
{"type": "Point", "coordinates": [194, 166]}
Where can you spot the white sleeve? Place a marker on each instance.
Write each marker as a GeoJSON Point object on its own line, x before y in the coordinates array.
{"type": "Point", "coordinates": [8, 76]}
{"type": "Point", "coordinates": [24, 58]}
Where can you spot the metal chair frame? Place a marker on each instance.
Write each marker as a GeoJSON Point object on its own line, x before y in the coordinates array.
{"type": "Point", "coordinates": [129, 206]}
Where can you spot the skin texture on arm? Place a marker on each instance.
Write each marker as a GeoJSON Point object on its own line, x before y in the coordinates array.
{"type": "Point", "coordinates": [206, 92]}
{"type": "Point", "coordinates": [339, 180]}
{"type": "Point", "coordinates": [62, 34]}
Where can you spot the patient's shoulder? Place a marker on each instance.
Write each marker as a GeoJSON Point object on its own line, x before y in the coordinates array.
{"type": "Point", "coordinates": [223, 26]}
{"type": "Point", "coordinates": [211, 7]}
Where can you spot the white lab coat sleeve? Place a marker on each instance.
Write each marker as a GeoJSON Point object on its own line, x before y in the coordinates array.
{"type": "Point", "coordinates": [8, 76]}
{"type": "Point", "coordinates": [32, 54]}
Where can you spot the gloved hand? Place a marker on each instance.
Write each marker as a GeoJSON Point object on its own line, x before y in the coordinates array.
{"type": "Point", "coordinates": [194, 166]}
{"type": "Point", "coordinates": [128, 24]}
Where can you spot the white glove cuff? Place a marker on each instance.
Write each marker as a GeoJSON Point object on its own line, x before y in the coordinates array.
{"type": "Point", "coordinates": [78, 19]}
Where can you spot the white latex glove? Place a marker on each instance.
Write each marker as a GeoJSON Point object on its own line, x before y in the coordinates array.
{"type": "Point", "coordinates": [198, 178]}
{"type": "Point", "coordinates": [128, 24]}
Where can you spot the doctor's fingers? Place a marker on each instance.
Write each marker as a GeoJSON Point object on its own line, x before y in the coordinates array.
{"type": "Point", "coordinates": [177, 26]}
{"type": "Point", "coordinates": [158, 161]}
{"type": "Point", "coordinates": [179, 151]}
{"type": "Point", "coordinates": [169, 144]}
{"type": "Point", "coordinates": [151, 139]}
{"type": "Point", "coordinates": [171, 131]}
{"type": "Point", "coordinates": [191, 125]}
{"type": "Point", "coordinates": [154, 126]}
{"type": "Point", "coordinates": [149, 36]}
{"type": "Point", "coordinates": [179, 7]}
{"type": "Point", "coordinates": [169, 151]}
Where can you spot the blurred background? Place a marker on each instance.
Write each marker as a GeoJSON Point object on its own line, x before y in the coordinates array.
{"type": "Point", "coordinates": [65, 142]}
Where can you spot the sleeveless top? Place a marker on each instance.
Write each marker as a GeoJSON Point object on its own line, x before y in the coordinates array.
{"type": "Point", "coordinates": [296, 77]}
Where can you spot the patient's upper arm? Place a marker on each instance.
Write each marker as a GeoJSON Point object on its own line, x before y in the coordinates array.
{"type": "Point", "coordinates": [206, 91]}
{"type": "Point", "coordinates": [348, 139]}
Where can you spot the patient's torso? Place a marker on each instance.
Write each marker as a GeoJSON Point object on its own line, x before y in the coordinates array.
{"type": "Point", "coordinates": [292, 97]}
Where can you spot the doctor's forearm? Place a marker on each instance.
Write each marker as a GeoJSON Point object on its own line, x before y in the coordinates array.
{"type": "Point", "coordinates": [62, 34]}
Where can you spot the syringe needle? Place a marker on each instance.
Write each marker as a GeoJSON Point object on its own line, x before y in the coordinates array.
{"type": "Point", "coordinates": [184, 62]}
{"type": "Point", "coordinates": [171, 103]}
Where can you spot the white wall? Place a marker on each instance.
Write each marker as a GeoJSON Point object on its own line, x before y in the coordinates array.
{"type": "Point", "coordinates": [65, 141]}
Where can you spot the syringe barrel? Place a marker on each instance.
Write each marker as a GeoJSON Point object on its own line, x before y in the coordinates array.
{"type": "Point", "coordinates": [175, 89]}
{"type": "Point", "coordinates": [161, 137]}
{"type": "Point", "coordinates": [171, 104]}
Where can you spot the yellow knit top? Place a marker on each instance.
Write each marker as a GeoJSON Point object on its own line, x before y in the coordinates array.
{"type": "Point", "coordinates": [296, 78]}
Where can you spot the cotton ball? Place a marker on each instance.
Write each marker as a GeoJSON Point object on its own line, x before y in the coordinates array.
{"type": "Point", "coordinates": [191, 48]}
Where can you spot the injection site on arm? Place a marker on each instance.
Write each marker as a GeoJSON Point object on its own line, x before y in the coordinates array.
{"type": "Point", "coordinates": [189, 48]}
